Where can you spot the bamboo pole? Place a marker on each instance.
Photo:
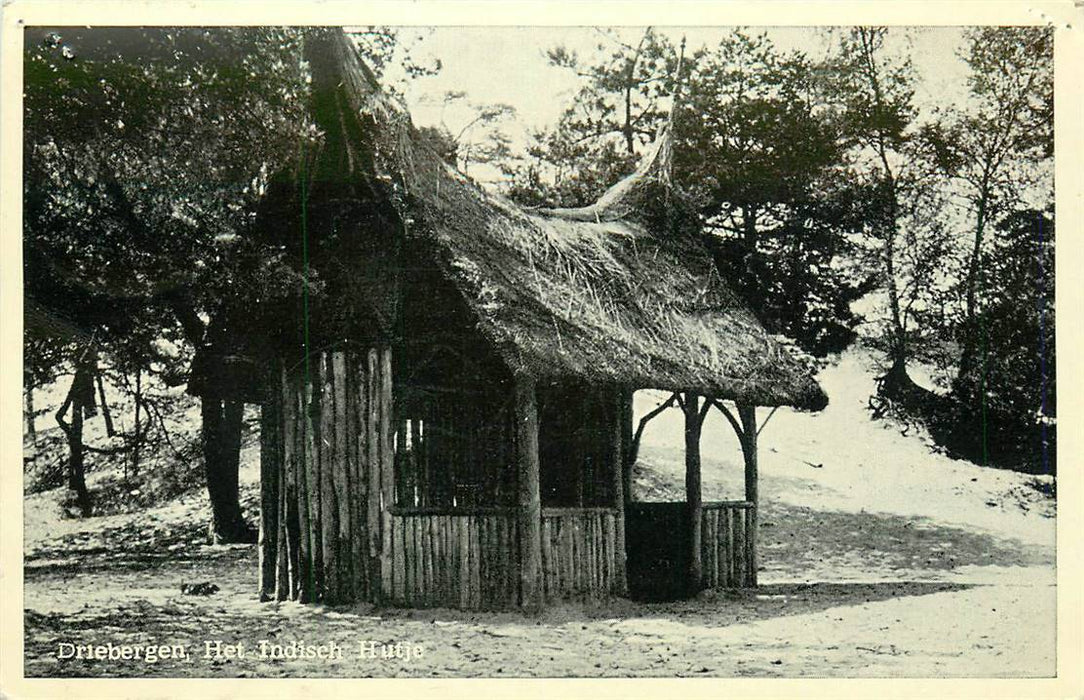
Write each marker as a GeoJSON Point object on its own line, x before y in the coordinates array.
{"type": "Point", "coordinates": [397, 590]}
{"type": "Point", "coordinates": [327, 464]}
{"type": "Point", "coordinates": [384, 436]}
{"type": "Point", "coordinates": [463, 545]}
{"type": "Point", "coordinates": [293, 496]}
{"type": "Point", "coordinates": [356, 498]}
{"type": "Point", "coordinates": [379, 575]}
{"type": "Point", "coordinates": [344, 437]}
{"type": "Point", "coordinates": [282, 558]}
{"type": "Point", "coordinates": [309, 491]}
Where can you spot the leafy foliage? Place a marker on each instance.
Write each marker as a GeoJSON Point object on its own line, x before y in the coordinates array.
{"type": "Point", "coordinates": [148, 155]}
{"type": "Point", "coordinates": [1010, 401]}
{"type": "Point", "coordinates": [623, 96]}
{"type": "Point", "coordinates": [756, 149]}
{"type": "Point", "coordinates": [999, 149]}
{"type": "Point", "coordinates": [759, 150]}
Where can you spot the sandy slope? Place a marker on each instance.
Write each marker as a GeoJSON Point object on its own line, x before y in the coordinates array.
{"type": "Point", "coordinates": [839, 459]}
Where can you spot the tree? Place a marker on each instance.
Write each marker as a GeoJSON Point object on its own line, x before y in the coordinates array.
{"type": "Point", "coordinates": [1007, 406]}
{"type": "Point", "coordinates": [759, 151]}
{"type": "Point", "coordinates": [906, 239]}
{"type": "Point", "coordinates": [998, 149]}
{"type": "Point", "coordinates": [756, 150]}
{"type": "Point", "coordinates": [148, 154]}
{"type": "Point", "coordinates": [622, 99]}
{"type": "Point", "coordinates": [479, 139]}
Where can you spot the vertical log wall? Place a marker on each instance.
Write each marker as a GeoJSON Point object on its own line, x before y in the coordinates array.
{"type": "Point", "coordinates": [442, 558]}
{"type": "Point", "coordinates": [326, 479]}
{"type": "Point", "coordinates": [330, 530]}
{"type": "Point", "coordinates": [455, 560]}
{"type": "Point", "coordinates": [580, 555]}
{"type": "Point", "coordinates": [728, 545]}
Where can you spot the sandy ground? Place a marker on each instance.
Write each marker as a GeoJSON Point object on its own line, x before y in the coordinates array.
{"type": "Point", "coordinates": [879, 559]}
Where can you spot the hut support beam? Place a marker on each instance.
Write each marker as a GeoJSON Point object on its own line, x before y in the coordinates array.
{"type": "Point", "coordinates": [530, 499]}
{"type": "Point", "coordinates": [270, 475]}
{"type": "Point", "coordinates": [621, 423]}
{"type": "Point", "coordinates": [694, 421]}
{"type": "Point", "coordinates": [628, 459]}
{"type": "Point", "coordinates": [745, 425]}
{"type": "Point", "coordinates": [748, 416]}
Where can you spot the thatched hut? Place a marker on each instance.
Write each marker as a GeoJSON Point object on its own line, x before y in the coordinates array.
{"type": "Point", "coordinates": [461, 436]}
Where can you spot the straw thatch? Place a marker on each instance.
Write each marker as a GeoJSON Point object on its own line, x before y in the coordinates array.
{"type": "Point", "coordinates": [40, 322]}
{"type": "Point", "coordinates": [620, 292]}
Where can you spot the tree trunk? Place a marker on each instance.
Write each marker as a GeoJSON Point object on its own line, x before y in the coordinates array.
{"type": "Point", "coordinates": [30, 427]}
{"type": "Point", "coordinates": [898, 341]}
{"type": "Point", "coordinates": [220, 432]}
{"type": "Point", "coordinates": [106, 415]}
{"type": "Point", "coordinates": [974, 271]}
{"type": "Point", "coordinates": [138, 408]}
{"type": "Point", "coordinates": [76, 468]}
{"type": "Point", "coordinates": [221, 438]}
{"type": "Point", "coordinates": [693, 507]}
{"type": "Point", "coordinates": [82, 383]}
{"type": "Point", "coordinates": [748, 281]}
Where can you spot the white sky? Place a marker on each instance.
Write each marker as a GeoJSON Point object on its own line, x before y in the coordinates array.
{"type": "Point", "coordinates": [508, 65]}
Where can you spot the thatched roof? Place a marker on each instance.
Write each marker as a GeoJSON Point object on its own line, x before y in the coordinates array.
{"type": "Point", "coordinates": [621, 292]}
{"type": "Point", "coordinates": [44, 323]}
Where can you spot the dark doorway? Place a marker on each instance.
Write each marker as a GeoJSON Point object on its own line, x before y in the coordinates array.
{"type": "Point", "coordinates": [656, 536]}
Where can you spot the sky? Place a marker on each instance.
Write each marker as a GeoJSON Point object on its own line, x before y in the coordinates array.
{"type": "Point", "coordinates": [508, 65]}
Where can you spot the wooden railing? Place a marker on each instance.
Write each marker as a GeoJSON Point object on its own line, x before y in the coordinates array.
{"type": "Point", "coordinates": [727, 544]}
{"type": "Point", "coordinates": [469, 558]}
{"type": "Point", "coordinates": [453, 559]}
{"type": "Point", "coordinates": [579, 557]}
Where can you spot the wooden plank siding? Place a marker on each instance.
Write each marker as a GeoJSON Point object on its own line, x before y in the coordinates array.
{"type": "Point", "coordinates": [727, 545]}
{"type": "Point", "coordinates": [455, 560]}
{"type": "Point", "coordinates": [328, 462]}
{"type": "Point", "coordinates": [470, 559]}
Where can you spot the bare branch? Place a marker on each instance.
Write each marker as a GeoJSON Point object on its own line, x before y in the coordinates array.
{"type": "Point", "coordinates": [634, 448]}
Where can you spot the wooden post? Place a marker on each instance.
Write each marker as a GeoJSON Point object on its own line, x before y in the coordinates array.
{"type": "Point", "coordinates": [625, 420]}
{"type": "Point", "coordinates": [293, 459]}
{"type": "Point", "coordinates": [327, 463]}
{"type": "Point", "coordinates": [378, 556]}
{"type": "Point", "coordinates": [530, 500]}
{"type": "Point", "coordinates": [620, 430]}
{"type": "Point", "coordinates": [282, 556]}
{"type": "Point", "coordinates": [693, 508]}
{"type": "Point", "coordinates": [270, 456]}
{"type": "Point", "coordinates": [387, 458]}
{"type": "Point", "coordinates": [748, 416]}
